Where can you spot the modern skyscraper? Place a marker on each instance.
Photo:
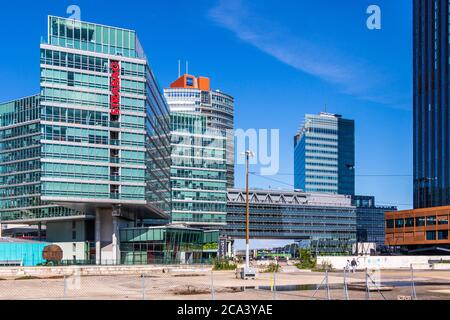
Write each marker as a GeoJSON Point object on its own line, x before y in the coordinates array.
{"type": "Point", "coordinates": [324, 155]}
{"type": "Point", "coordinates": [91, 153]}
{"type": "Point", "coordinates": [431, 103]}
{"type": "Point", "coordinates": [193, 95]}
{"type": "Point", "coordinates": [199, 171]}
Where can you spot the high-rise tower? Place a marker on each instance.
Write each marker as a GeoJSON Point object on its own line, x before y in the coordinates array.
{"type": "Point", "coordinates": [324, 155]}
{"type": "Point", "coordinates": [431, 103]}
{"type": "Point", "coordinates": [193, 95]}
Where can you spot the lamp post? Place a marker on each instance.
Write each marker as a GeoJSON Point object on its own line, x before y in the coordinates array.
{"type": "Point", "coordinates": [247, 154]}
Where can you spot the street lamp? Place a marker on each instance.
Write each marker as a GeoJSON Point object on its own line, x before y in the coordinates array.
{"type": "Point", "coordinates": [247, 272]}
{"type": "Point", "coordinates": [247, 155]}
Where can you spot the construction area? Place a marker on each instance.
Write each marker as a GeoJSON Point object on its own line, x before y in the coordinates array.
{"type": "Point", "coordinates": [201, 283]}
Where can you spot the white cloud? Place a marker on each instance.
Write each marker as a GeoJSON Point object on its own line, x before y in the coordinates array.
{"type": "Point", "coordinates": [350, 75]}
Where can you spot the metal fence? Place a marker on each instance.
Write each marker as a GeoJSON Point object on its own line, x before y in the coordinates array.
{"type": "Point", "coordinates": [201, 283]}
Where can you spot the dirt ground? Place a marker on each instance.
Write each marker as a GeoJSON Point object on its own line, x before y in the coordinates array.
{"type": "Point", "coordinates": [290, 284]}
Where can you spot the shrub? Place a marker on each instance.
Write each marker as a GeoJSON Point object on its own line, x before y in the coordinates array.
{"type": "Point", "coordinates": [324, 266]}
{"type": "Point", "coordinates": [272, 267]}
{"type": "Point", "coordinates": [220, 264]}
{"type": "Point", "coordinates": [306, 260]}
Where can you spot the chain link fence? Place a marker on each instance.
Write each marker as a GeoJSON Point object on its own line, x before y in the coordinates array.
{"type": "Point", "coordinates": [202, 283]}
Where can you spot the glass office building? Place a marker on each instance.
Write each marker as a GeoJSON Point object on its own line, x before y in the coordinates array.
{"type": "Point", "coordinates": [326, 221]}
{"type": "Point", "coordinates": [20, 163]}
{"type": "Point", "coordinates": [93, 146]}
{"type": "Point", "coordinates": [324, 155]}
{"type": "Point", "coordinates": [193, 95]}
{"type": "Point", "coordinates": [431, 103]}
{"type": "Point", "coordinates": [370, 219]}
{"type": "Point", "coordinates": [199, 172]}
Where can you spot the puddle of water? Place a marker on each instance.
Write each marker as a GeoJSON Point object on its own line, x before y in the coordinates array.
{"type": "Point", "coordinates": [312, 287]}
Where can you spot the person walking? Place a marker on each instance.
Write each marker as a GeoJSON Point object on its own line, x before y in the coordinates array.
{"type": "Point", "coordinates": [353, 265]}
{"type": "Point", "coordinates": [347, 266]}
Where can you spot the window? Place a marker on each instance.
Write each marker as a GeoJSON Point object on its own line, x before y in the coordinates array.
{"type": "Point", "coordinates": [431, 221]}
{"type": "Point", "coordinates": [399, 223]}
{"type": "Point", "coordinates": [409, 222]}
{"type": "Point", "coordinates": [443, 235]}
{"type": "Point", "coordinates": [431, 235]}
{"type": "Point", "coordinates": [390, 224]}
{"type": "Point", "coordinates": [443, 220]}
{"type": "Point", "coordinates": [420, 221]}
{"type": "Point", "coordinates": [74, 235]}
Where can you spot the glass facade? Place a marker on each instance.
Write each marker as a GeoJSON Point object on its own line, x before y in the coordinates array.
{"type": "Point", "coordinates": [328, 221]}
{"type": "Point", "coordinates": [431, 103]}
{"type": "Point", "coordinates": [20, 163]}
{"type": "Point", "coordinates": [370, 219]}
{"type": "Point", "coordinates": [168, 245]}
{"type": "Point", "coordinates": [95, 148]}
{"type": "Point", "coordinates": [199, 183]}
{"type": "Point", "coordinates": [98, 132]}
{"type": "Point", "coordinates": [217, 107]}
{"type": "Point", "coordinates": [324, 155]}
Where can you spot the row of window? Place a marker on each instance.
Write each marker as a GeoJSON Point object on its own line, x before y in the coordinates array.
{"type": "Point", "coordinates": [89, 117]}
{"type": "Point", "coordinates": [417, 222]}
{"type": "Point", "coordinates": [19, 111]}
{"type": "Point", "coordinates": [75, 79]}
{"type": "Point", "coordinates": [92, 36]}
{"type": "Point", "coordinates": [88, 63]}
{"type": "Point", "coordinates": [90, 99]}
{"type": "Point", "coordinates": [20, 154]}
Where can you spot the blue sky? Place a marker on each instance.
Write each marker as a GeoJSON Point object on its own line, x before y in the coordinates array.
{"type": "Point", "coordinates": [279, 59]}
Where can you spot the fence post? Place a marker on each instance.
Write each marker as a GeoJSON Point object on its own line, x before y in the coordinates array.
{"type": "Point", "coordinates": [345, 285]}
{"type": "Point", "coordinates": [143, 286]}
{"type": "Point", "coordinates": [213, 296]}
{"type": "Point", "coordinates": [275, 285]}
{"type": "Point", "coordinates": [65, 288]}
{"type": "Point", "coordinates": [367, 286]}
{"type": "Point", "coordinates": [328, 286]}
{"type": "Point", "coordinates": [413, 285]}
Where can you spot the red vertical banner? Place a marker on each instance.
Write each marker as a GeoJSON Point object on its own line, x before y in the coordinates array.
{"type": "Point", "coordinates": [115, 87]}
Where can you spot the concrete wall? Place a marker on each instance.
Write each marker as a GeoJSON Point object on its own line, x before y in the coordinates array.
{"type": "Point", "coordinates": [11, 272]}
{"type": "Point", "coordinates": [73, 250]}
{"type": "Point", "coordinates": [383, 262]}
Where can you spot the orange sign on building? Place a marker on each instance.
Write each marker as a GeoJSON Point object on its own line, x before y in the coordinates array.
{"type": "Point", "coordinates": [187, 81]}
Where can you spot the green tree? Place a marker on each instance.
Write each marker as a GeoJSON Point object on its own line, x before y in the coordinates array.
{"type": "Point", "coordinates": [307, 261]}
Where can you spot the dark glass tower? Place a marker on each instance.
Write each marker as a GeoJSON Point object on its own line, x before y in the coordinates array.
{"type": "Point", "coordinates": [431, 104]}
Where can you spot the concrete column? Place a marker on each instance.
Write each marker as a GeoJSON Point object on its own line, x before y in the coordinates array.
{"type": "Point", "coordinates": [1, 230]}
{"type": "Point", "coordinates": [229, 249]}
{"type": "Point", "coordinates": [98, 238]}
{"type": "Point", "coordinates": [115, 241]}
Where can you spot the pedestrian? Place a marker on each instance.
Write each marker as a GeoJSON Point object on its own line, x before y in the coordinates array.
{"type": "Point", "coordinates": [347, 266]}
{"type": "Point", "coordinates": [353, 265]}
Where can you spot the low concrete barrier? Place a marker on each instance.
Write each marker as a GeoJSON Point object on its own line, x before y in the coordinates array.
{"type": "Point", "coordinates": [385, 262]}
{"type": "Point", "coordinates": [12, 272]}
{"type": "Point", "coordinates": [441, 266]}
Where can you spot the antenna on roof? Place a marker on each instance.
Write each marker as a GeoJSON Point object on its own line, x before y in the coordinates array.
{"type": "Point", "coordinates": [187, 67]}
{"type": "Point", "coordinates": [179, 68]}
